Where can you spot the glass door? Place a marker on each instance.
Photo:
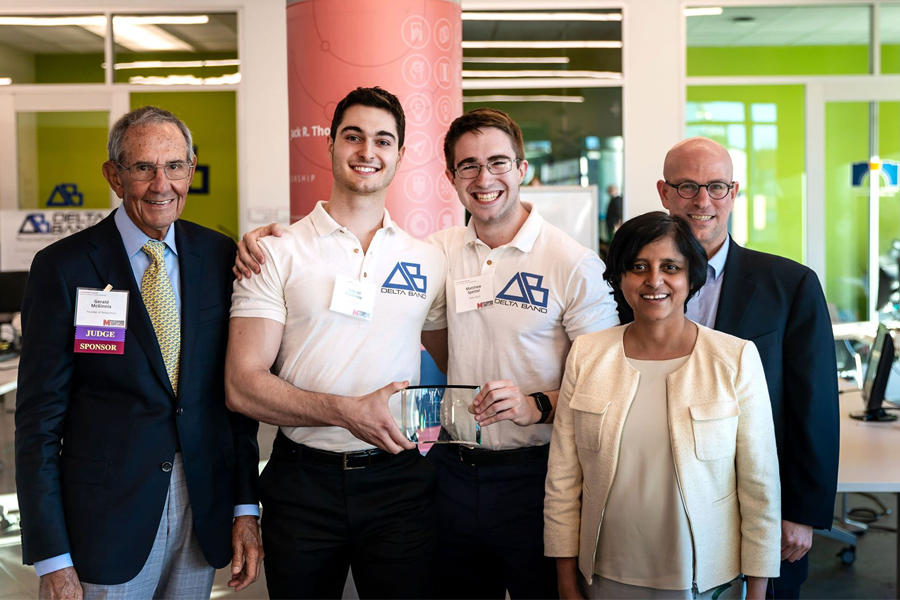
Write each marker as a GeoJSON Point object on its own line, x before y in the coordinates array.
{"type": "Point", "coordinates": [853, 218]}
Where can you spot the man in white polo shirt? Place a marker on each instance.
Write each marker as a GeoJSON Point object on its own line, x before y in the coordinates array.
{"type": "Point", "coordinates": [540, 290]}
{"type": "Point", "coordinates": [335, 314]}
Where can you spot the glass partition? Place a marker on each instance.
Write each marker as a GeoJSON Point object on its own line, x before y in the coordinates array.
{"type": "Point", "coordinates": [182, 49]}
{"type": "Point", "coordinates": [60, 154]}
{"type": "Point", "coordinates": [556, 73]}
{"type": "Point", "coordinates": [51, 49]}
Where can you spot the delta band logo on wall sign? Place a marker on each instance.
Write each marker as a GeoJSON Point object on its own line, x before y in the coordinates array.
{"type": "Point", "coordinates": [885, 170]}
{"type": "Point", "coordinates": [406, 280]}
{"type": "Point", "coordinates": [524, 290]}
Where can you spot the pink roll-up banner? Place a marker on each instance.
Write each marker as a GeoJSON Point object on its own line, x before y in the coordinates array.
{"type": "Point", "coordinates": [411, 48]}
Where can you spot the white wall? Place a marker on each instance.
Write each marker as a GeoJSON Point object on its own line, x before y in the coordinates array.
{"type": "Point", "coordinates": [653, 96]}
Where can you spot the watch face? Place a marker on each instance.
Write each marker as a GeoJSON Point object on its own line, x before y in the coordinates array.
{"type": "Point", "coordinates": [543, 402]}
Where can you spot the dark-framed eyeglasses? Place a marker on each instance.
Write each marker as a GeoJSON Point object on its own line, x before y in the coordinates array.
{"type": "Point", "coordinates": [497, 166]}
{"type": "Point", "coordinates": [715, 190]}
{"type": "Point", "coordinates": [174, 171]}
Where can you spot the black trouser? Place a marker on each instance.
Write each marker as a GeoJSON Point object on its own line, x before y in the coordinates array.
{"type": "Point", "coordinates": [787, 586]}
{"type": "Point", "coordinates": [319, 520]}
{"type": "Point", "coordinates": [491, 532]}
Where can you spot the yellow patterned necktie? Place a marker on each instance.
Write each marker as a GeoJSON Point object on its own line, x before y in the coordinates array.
{"type": "Point", "coordinates": [159, 298]}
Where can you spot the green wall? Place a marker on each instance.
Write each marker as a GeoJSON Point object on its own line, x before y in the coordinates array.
{"type": "Point", "coordinates": [788, 60]}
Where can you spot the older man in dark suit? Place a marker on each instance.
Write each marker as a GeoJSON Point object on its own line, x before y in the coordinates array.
{"type": "Point", "coordinates": [777, 304]}
{"type": "Point", "coordinates": [134, 480]}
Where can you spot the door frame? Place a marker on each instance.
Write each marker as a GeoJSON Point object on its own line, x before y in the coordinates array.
{"type": "Point", "coordinates": [818, 94]}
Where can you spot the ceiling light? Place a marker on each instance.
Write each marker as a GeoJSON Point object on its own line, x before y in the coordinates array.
{"type": "Point", "coordinates": [540, 16]}
{"type": "Point", "coordinates": [101, 20]}
{"type": "Point", "coordinates": [557, 60]}
{"type": "Point", "coordinates": [229, 79]}
{"type": "Point", "coordinates": [540, 73]}
{"type": "Point", "coordinates": [544, 45]}
{"type": "Point", "coordinates": [175, 64]}
{"type": "Point", "coordinates": [710, 11]}
{"type": "Point", "coordinates": [141, 38]}
{"type": "Point", "coordinates": [53, 21]}
{"type": "Point", "coordinates": [537, 98]}
{"type": "Point", "coordinates": [5, 80]}
{"type": "Point", "coordinates": [163, 20]}
{"type": "Point", "coordinates": [538, 83]}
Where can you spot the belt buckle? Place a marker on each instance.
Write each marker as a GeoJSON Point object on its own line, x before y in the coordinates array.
{"type": "Point", "coordinates": [349, 468]}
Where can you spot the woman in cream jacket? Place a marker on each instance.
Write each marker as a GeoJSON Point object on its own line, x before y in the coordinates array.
{"type": "Point", "coordinates": [663, 478]}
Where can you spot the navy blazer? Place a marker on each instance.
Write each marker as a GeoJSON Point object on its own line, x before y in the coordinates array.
{"type": "Point", "coordinates": [93, 430]}
{"type": "Point", "coordinates": [778, 304]}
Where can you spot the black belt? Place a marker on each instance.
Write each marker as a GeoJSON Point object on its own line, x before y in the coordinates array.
{"type": "Point", "coordinates": [478, 457]}
{"type": "Point", "coordinates": [286, 449]}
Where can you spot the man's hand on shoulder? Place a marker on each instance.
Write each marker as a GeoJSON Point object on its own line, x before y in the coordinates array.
{"type": "Point", "coordinates": [369, 419]}
{"type": "Point", "coordinates": [796, 540]}
{"type": "Point", "coordinates": [249, 256]}
{"type": "Point", "coordinates": [503, 401]}
{"type": "Point", "coordinates": [60, 584]}
{"type": "Point", "coordinates": [248, 552]}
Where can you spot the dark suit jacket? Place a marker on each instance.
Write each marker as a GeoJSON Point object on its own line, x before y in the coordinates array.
{"type": "Point", "coordinates": [93, 430]}
{"type": "Point", "coordinates": [778, 305]}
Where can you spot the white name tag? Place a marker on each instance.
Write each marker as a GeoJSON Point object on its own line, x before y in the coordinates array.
{"type": "Point", "coordinates": [101, 308]}
{"type": "Point", "coordinates": [353, 298]}
{"type": "Point", "coordinates": [474, 293]}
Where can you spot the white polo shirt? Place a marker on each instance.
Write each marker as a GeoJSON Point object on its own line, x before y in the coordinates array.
{"type": "Point", "coordinates": [548, 289]}
{"type": "Point", "coordinates": [330, 352]}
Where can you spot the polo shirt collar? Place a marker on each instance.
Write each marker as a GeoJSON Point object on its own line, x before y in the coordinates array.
{"type": "Point", "coordinates": [526, 236]}
{"type": "Point", "coordinates": [717, 262]}
{"type": "Point", "coordinates": [134, 239]}
{"type": "Point", "coordinates": [325, 225]}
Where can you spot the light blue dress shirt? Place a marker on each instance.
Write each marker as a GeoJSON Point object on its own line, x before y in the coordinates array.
{"type": "Point", "coordinates": [704, 306]}
{"type": "Point", "coordinates": [134, 239]}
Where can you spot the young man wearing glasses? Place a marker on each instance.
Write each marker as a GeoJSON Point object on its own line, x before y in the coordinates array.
{"type": "Point", "coordinates": [540, 289]}
{"type": "Point", "coordinates": [777, 304]}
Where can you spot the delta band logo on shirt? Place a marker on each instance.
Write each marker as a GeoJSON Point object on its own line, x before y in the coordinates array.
{"type": "Point", "coordinates": [524, 290]}
{"type": "Point", "coordinates": [406, 280]}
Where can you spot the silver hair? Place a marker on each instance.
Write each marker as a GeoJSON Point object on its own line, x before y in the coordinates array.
{"type": "Point", "coordinates": [147, 115]}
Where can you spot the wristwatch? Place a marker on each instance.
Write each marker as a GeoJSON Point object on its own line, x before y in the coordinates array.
{"type": "Point", "coordinates": [543, 404]}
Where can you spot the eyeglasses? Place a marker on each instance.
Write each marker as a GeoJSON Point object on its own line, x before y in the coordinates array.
{"type": "Point", "coordinates": [146, 172]}
{"type": "Point", "coordinates": [716, 190]}
{"type": "Point", "coordinates": [494, 167]}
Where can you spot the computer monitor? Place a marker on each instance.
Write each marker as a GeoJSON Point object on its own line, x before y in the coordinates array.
{"type": "Point", "coordinates": [12, 290]}
{"type": "Point", "coordinates": [878, 371]}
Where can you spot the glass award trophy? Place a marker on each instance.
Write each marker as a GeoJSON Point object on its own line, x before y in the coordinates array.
{"type": "Point", "coordinates": [439, 414]}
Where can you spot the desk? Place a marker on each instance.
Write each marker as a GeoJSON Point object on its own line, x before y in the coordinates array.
{"type": "Point", "coordinates": [863, 331]}
{"type": "Point", "coordinates": [870, 456]}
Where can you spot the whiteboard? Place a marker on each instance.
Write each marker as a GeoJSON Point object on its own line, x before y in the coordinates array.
{"type": "Point", "coordinates": [572, 208]}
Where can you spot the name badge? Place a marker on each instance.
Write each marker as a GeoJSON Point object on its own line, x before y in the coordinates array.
{"type": "Point", "coordinates": [100, 320]}
{"type": "Point", "coordinates": [474, 293]}
{"type": "Point", "coordinates": [353, 298]}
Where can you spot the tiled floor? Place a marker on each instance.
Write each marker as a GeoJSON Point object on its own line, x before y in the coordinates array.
{"type": "Point", "coordinates": [872, 576]}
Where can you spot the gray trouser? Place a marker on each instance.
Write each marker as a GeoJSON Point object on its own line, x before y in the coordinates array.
{"type": "Point", "coordinates": [176, 567]}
